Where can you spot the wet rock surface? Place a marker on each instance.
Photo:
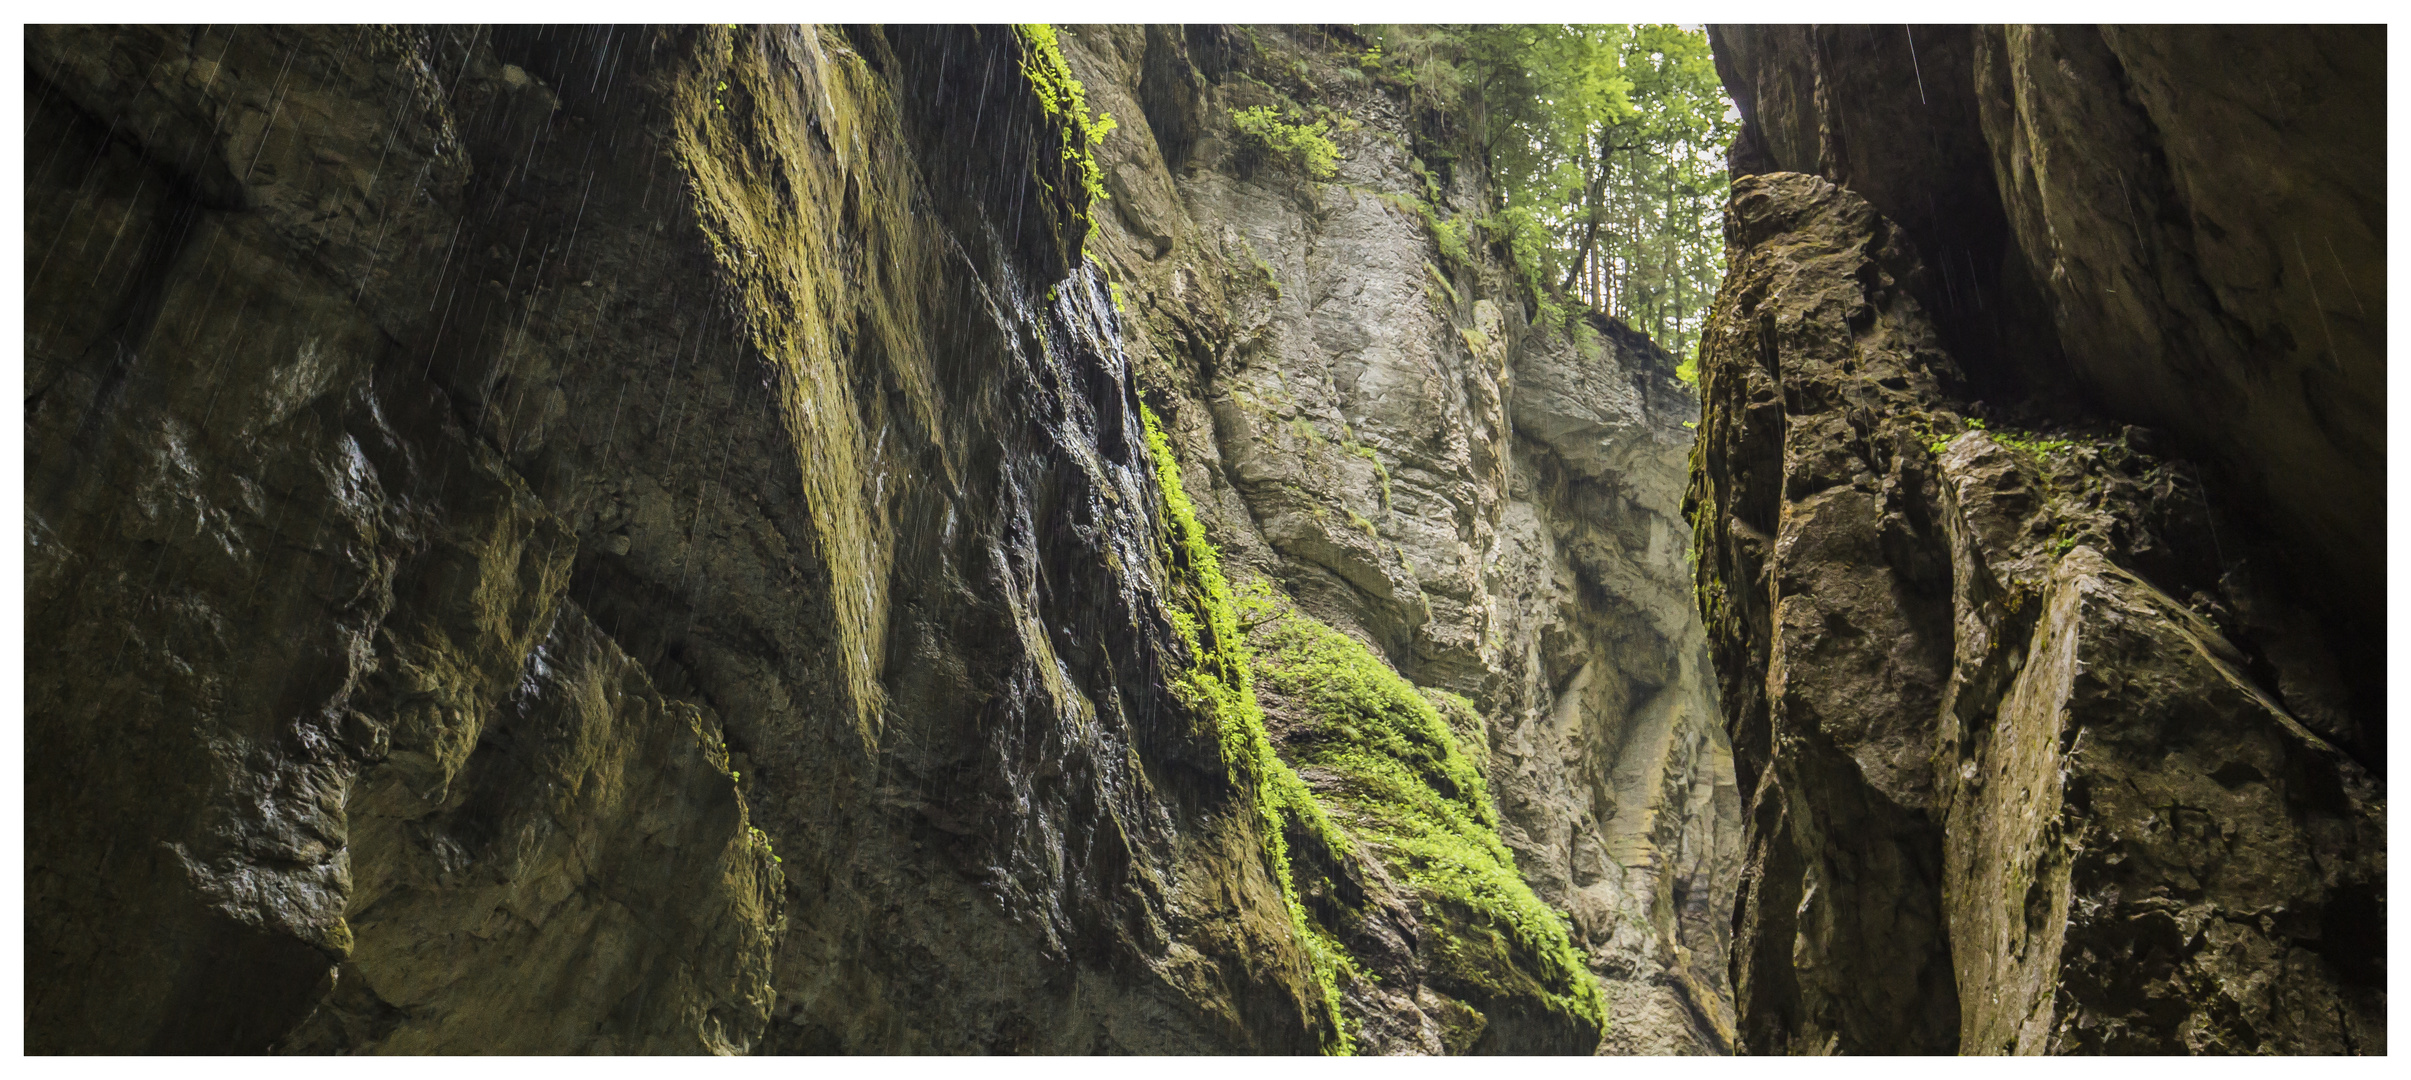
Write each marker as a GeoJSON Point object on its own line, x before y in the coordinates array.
{"type": "Point", "coordinates": [631, 540]}
{"type": "Point", "coordinates": [2006, 793]}
{"type": "Point", "coordinates": [2176, 219]}
{"type": "Point", "coordinates": [484, 620]}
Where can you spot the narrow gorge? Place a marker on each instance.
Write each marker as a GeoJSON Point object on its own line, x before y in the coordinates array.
{"type": "Point", "coordinates": [1080, 540]}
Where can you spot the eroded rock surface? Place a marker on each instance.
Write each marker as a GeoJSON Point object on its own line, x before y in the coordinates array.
{"type": "Point", "coordinates": [2211, 247]}
{"type": "Point", "coordinates": [1375, 429]}
{"type": "Point", "coordinates": [2113, 220]}
{"type": "Point", "coordinates": [2006, 792]}
{"type": "Point", "coordinates": [631, 540]}
{"type": "Point", "coordinates": [549, 545]}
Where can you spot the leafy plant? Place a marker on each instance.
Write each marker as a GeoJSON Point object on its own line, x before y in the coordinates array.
{"type": "Point", "coordinates": [1452, 235]}
{"type": "Point", "coordinates": [1066, 99]}
{"type": "Point", "coordinates": [1305, 147]}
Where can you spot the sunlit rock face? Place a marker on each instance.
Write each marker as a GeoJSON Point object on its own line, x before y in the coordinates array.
{"type": "Point", "coordinates": [1377, 431]}
{"type": "Point", "coordinates": [628, 540]}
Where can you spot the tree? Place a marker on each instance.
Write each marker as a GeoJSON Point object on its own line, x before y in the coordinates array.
{"type": "Point", "coordinates": [1605, 146]}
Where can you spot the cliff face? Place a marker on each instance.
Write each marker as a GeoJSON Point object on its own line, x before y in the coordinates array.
{"type": "Point", "coordinates": [2055, 737]}
{"type": "Point", "coordinates": [494, 490]}
{"type": "Point", "coordinates": [270, 674]}
{"type": "Point", "coordinates": [641, 540]}
{"type": "Point", "coordinates": [2110, 226]}
{"type": "Point", "coordinates": [1371, 428]}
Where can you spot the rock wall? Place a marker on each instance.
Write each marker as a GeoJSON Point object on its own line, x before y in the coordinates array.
{"type": "Point", "coordinates": [2052, 737]}
{"type": "Point", "coordinates": [634, 540]}
{"type": "Point", "coordinates": [2176, 250]}
{"type": "Point", "coordinates": [1374, 430]}
{"type": "Point", "coordinates": [493, 490]}
{"type": "Point", "coordinates": [2111, 224]}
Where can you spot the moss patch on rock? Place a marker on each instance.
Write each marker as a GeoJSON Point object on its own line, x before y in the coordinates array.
{"type": "Point", "coordinates": [1218, 688]}
{"type": "Point", "coordinates": [1302, 145]}
{"type": "Point", "coordinates": [1402, 780]}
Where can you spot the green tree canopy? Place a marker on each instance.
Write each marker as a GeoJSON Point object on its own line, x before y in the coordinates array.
{"type": "Point", "coordinates": [1606, 146]}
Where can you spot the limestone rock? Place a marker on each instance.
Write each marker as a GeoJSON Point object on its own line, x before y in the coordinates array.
{"type": "Point", "coordinates": [2006, 794]}
{"type": "Point", "coordinates": [1379, 432]}
{"type": "Point", "coordinates": [557, 879]}
{"type": "Point", "coordinates": [2212, 248]}
{"type": "Point", "coordinates": [2112, 219]}
{"type": "Point", "coordinates": [1827, 611]}
{"type": "Point", "coordinates": [463, 525]}
{"type": "Point", "coordinates": [643, 540]}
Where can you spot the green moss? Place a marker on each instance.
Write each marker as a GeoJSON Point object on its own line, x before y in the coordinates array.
{"type": "Point", "coordinates": [1065, 99]}
{"type": "Point", "coordinates": [1452, 235]}
{"type": "Point", "coordinates": [1218, 687]}
{"type": "Point", "coordinates": [1271, 279]}
{"type": "Point", "coordinates": [1446, 286]}
{"type": "Point", "coordinates": [808, 276]}
{"type": "Point", "coordinates": [2030, 443]}
{"type": "Point", "coordinates": [1586, 340]}
{"type": "Point", "coordinates": [1305, 147]}
{"type": "Point", "coordinates": [1431, 182]}
{"type": "Point", "coordinates": [1460, 1027]}
{"type": "Point", "coordinates": [1409, 786]}
{"type": "Point", "coordinates": [1380, 471]}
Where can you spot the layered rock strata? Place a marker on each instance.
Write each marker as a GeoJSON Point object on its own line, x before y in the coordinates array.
{"type": "Point", "coordinates": [1373, 429]}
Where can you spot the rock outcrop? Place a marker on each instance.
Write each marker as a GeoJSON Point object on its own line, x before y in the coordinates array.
{"type": "Point", "coordinates": [2110, 221]}
{"type": "Point", "coordinates": [2006, 792]}
{"type": "Point", "coordinates": [2040, 515]}
{"type": "Point", "coordinates": [2173, 216]}
{"type": "Point", "coordinates": [630, 540]}
{"type": "Point", "coordinates": [488, 492]}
